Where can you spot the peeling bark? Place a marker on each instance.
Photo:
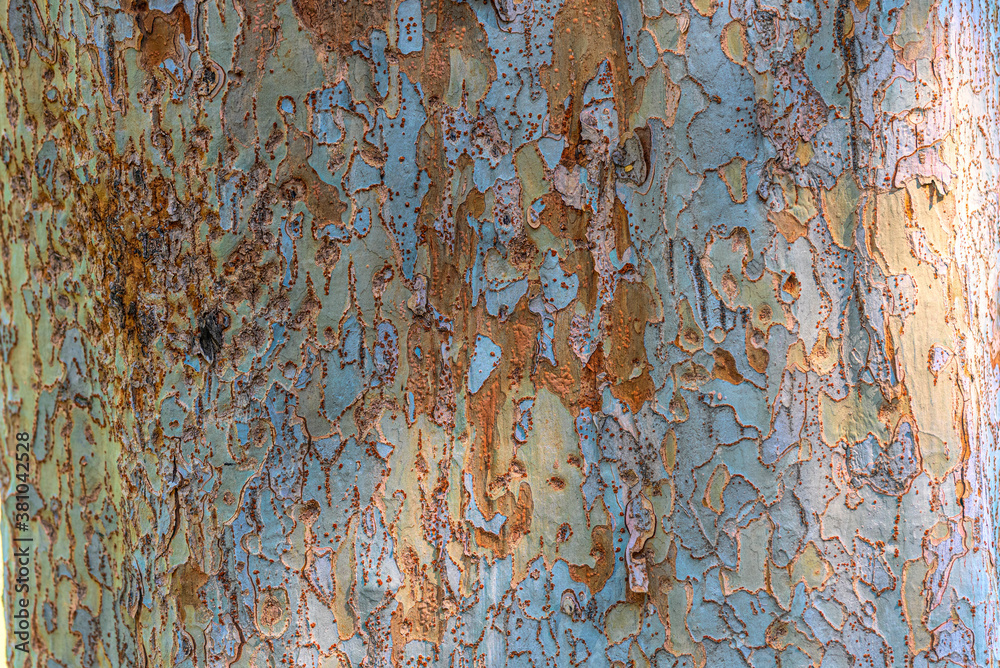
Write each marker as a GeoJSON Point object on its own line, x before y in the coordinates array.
{"type": "Point", "coordinates": [521, 332]}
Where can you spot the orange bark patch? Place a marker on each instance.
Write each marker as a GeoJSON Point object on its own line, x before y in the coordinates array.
{"type": "Point", "coordinates": [597, 576]}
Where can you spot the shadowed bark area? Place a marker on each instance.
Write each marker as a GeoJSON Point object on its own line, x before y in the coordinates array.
{"type": "Point", "coordinates": [500, 333]}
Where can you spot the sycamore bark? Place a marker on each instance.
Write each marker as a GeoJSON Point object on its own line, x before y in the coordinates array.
{"type": "Point", "coordinates": [522, 332]}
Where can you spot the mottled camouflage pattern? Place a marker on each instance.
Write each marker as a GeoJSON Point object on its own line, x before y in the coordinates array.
{"type": "Point", "coordinates": [503, 332]}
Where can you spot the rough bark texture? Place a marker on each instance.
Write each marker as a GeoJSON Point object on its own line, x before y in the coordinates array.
{"type": "Point", "coordinates": [523, 332]}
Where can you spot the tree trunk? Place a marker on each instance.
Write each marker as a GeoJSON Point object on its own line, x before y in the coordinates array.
{"type": "Point", "coordinates": [532, 333]}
